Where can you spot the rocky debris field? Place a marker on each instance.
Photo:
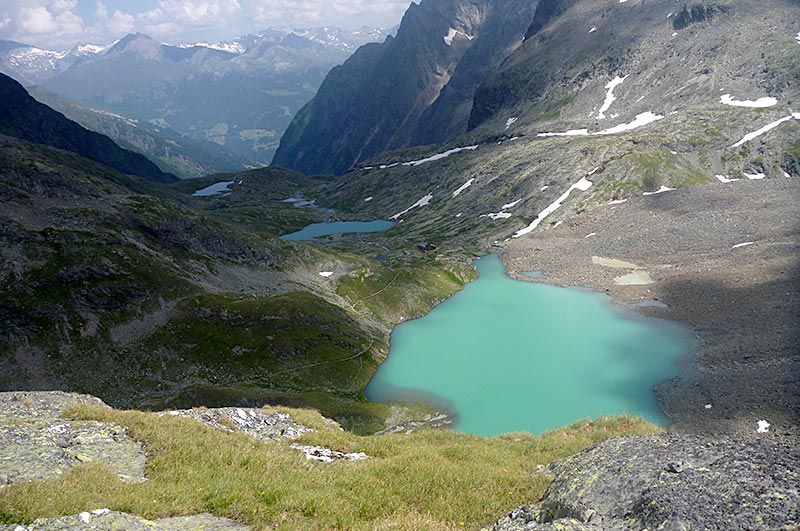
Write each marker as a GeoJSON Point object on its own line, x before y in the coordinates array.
{"type": "Point", "coordinates": [105, 520]}
{"type": "Point", "coordinates": [720, 258]}
{"type": "Point", "coordinates": [668, 482]}
{"type": "Point", "coordinates": [253, 422]}
{"type": "Point", "coordinates": [36, 444]}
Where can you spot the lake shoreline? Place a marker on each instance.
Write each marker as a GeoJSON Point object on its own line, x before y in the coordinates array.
{"type": "Point", "coordinates": [741, 301]}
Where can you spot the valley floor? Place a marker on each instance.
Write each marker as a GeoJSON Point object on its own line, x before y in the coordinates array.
{"type": "Point", "coordinates": [723, 259]}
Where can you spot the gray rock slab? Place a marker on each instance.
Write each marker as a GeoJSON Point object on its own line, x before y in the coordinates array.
{"type": "Point", "coordinates": [105, 520]}
{"type": "Point", "coordinates": [30, 453]}
{"type": "Point", "coordinates": [669, 482]}
{"type": "Point", "coordinates": [39, 406]}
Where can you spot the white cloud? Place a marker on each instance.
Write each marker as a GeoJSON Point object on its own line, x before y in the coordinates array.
{"type": "Point", "coordinates": [337, 12]}
{"type": "Point", "coordinates": [101, 11]}
{"type": "Point", "coordinates": [63, 5]}
{"type": "Point", "coordinates": [120, 23]}
{"type": "Point", "coordinates": [57, 24]}
{"type": "Point", "coordinates": [36, 20]}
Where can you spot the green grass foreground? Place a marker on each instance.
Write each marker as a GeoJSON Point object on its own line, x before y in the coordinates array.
{"type": "Point", "coordinates": [432, 479]}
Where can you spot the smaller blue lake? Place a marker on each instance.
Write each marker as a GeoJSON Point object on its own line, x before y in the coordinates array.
{"type": "Point", "coordinates": [214, 189]}
{"type": "Point", "coordinates": [315, 230]}
{"type": "Point", "coordinates": [507, 355]}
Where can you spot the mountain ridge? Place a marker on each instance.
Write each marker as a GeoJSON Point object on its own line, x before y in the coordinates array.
{"type": "Point", "coordinates": [24, 117]}
{"type": "Point", "coordinates": [411, 92]}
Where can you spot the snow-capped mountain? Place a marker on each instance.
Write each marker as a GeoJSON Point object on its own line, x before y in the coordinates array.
{"type": "Point", "coordinates": [207, 91]}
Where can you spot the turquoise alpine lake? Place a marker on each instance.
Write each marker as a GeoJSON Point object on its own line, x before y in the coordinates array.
{"type": "Point", "coordinates": [315, 230]}
{"type": "Point", "coordinates": [507, 355]}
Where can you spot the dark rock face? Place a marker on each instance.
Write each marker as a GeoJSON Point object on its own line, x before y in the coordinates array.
{"type": "Point", "coordinates": [669, 482]}
{"type": "Point", "coordinates": [547, 11]}
{"type": "Point", "coordinates": [411, 90]}
{"type": "Point", "coordinates": [697, 13]}
{"type": "Point", "coordinates": [23, 117]}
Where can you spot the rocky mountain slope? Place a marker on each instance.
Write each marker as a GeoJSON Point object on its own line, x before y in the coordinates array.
{"type": "Point", "coordinates": [414, 89]}
{"type": "Point", "coordinates": [23, 117]}
{"type": "Point", "coordinates": [182, 155]}
{"type": "Point", "coordinates": [148, 295]}
{"type": "Point", "coordinates": [612, 92]}
{"type": "Point", "coordinates": [205, 91]}
{"type": "Point", "coordinates": [606, 109]}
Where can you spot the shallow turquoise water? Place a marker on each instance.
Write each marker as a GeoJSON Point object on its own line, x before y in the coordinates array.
{"type": "Point", "coordinates": [315, 230]}
{"type": "Point", "coordinates": [508, 355]}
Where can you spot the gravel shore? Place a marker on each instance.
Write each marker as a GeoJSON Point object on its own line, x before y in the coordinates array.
{"type": "Point", "coordinates": [723, 259]}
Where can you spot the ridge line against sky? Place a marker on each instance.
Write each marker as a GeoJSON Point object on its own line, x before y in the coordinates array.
{"type": "Point", "coordinates": [62, 24]}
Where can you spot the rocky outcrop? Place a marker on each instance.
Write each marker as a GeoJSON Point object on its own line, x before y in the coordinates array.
{"type": "Point", "coordinates": [668, 482]}
{"type": "Point", "coordinates": [254, 423]}
{"type": "Point", "coordinates": [36, 444]}
{"type": "Point", "coordinates": [698, 12]}
{"type": "Point", "coordinates": [105, 520]}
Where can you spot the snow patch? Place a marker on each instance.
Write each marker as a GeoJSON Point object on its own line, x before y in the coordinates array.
{"type": "Point", "coordinates": [708, 406]}
{"type": "Point", "coordinates": [763, 426]}
{"type": "Point", "coordinates": [610, 98]}
{"type": "Point", "coordinates": [582, 185]}
{"type": "Point", "coordinates": [725, 179]}
{"type": "Point", "coordinates": [543, 188]}
{"type": "Point", "coordinates": [499, 215]}
{"type": "Point", "coordinates": [767, 128]}
{"type": "Point", "coordinates": [617, 202]}
{"type": "Point", "coordinates": [463, 187]}
{"type": "Point", "coordinates": [326, 274]}
{"type": "Point", "coordinates": [754, 176]}
{"type": "Point", "coordinates": [745, 244]}
{"type": "Point", "coordinates": [594, 28]}
{"type": "Point", "coordinates": [590, 235]}
{"type": "Point", "coordinates": [448, 39]}
{"type": "Point", "coordinates": [85, 517]}
{"type": "Point", "coordinates": [659, 191]}
{"type": "Point", "coordinates": [760, 103]}
{"type": "Point", "coordinates": [511, 121]}
{"type": "Point", "coordinates": [425, 201]}
{"type": "Point", "coordinates": [641, 120]}
{"type": "Point", "coordinates": [573, 132]}
{"type": "Point", "coordinates": [368, 199]}
{"type": "Point", "coordinates": [510, 205]}
{"type": "Point", "coordinates": [438, 156]}
{"type": "Point", "coordinates": [797, 37]}
{"type": "Point", "coordinates": [786, 174]}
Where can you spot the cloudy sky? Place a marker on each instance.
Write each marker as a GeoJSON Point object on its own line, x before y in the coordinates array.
{"type": "Point", "coordinates": [64, 23]}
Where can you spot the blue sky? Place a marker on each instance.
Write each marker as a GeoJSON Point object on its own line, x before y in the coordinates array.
{"type": "Point", "coordinates": [64, 23]}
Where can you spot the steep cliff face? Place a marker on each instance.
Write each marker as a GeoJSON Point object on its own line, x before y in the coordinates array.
{"type": "Point", "coordinates": [414, 89]}
{"type": "Point", "coordinates": [21, 116]}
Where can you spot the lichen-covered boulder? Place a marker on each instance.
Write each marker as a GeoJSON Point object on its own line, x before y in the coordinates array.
{"type": "Point", "coordinates": [35, 444]}
{"type": "Point", "coordinates": [669, 482]}
{"type": "Point", "coordinates": [31, 407]}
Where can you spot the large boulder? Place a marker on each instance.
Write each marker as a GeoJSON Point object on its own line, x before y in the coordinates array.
{"type": "Point", "coordinates": [669, 482]}
{"type": "Point", "coordinates": [37, 444]}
